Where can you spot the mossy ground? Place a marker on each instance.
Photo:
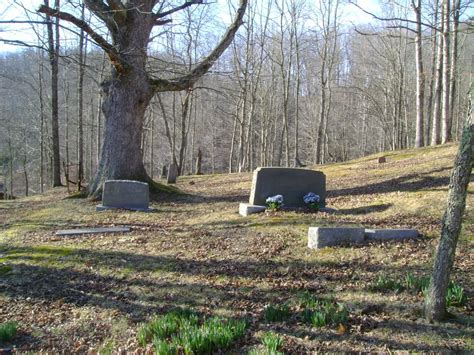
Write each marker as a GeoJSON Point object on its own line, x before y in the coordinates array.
{"type": "Point", "coordinates": [73, 294]}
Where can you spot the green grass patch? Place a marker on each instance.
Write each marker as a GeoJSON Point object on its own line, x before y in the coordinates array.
{"type": "Point", "coordinates": [8, 330]}
{"type": "Point", "coordinates": [5, 269]}
{"type": "Point", "coordinates": [455, 296]}
{"type": "Point", "coordinates": [275, 313]}
{"type": "Point", "coordinates": [326, 312]}
{"type": "Point", "coordinates": [184, 331]}
{"type": "Point", "coordinates": [272, 343]}
{"type": "Point", "coordinates": [107, 348]}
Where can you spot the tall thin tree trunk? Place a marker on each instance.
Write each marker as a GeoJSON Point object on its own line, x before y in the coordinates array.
{"type": "Point", "coordinates": [80, 108]}
{"type": "Point", "coordinates": [53, 49]}
{"type": "Point", "coordinates": [435, 303]}
{"type": "Point", "coordinates": [454, 60]}
{"type": "Point", "coordinates": [429, 113]}
{"type": "Point", "coordinates": [420, 79]}
{"type": "Point", "coordinates": [445, 119]}
{"type": "Point", "coordinates": [42, 123]}
{"type": "Point", "coordinates": [436, 128]}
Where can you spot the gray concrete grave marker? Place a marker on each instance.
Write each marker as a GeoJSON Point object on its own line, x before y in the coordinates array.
{"type": "Point", "coordinates": [292, 183]}
{"type": "Point", "coordinates": [172, 174]}
{"type": "Point", "coordinates": [321, 237]}
{"type": "Point", "coordinates": [126, 194]}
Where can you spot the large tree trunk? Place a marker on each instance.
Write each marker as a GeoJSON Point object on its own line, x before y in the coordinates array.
{"type": "Point", "coordinates": [435, 305]}
{"type": "Point", "coordinates": [126, 98]}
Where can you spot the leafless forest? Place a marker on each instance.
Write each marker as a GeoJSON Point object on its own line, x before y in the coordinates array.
{"type": "Point", "coordinates": [300, 84]}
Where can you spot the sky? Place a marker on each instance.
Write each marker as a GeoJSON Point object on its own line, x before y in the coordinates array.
{"type": "Point", "coordinates": [10, 10]}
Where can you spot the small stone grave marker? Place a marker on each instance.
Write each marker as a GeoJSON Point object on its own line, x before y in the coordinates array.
{"type": "Point", "coordinates": [126, 194]}
{"type": "Point", "coordinates": [245, 209]}
{"type": "Point", "coordinates": [172, 174]}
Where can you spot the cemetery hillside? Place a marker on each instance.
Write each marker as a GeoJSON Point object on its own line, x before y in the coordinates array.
{"type": "Point", "coordinates": [190, 275]}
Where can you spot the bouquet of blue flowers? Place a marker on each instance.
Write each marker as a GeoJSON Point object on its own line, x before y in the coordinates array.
{"type": "Point", "coordinates": [274, 202]}
{"type": "Point", "coordinates": [312, 200]}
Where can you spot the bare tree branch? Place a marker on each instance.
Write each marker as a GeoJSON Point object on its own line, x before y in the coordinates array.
{"type": "Point", "coordinates": [203, 67]}
{"type": "Point", "coordinates": [26, 21]}
{"type": "Point", "coordinates": [20, 43]}
{"type": "Point", "coordinates": [392, 18]}
{"type": "Point", "coordinates": [178, 8]}
{"type": "Point", "coordinates": [101, 42]}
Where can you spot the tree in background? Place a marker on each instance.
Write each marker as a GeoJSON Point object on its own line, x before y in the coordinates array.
{"type": "Point", "coordinates": [132, 85]}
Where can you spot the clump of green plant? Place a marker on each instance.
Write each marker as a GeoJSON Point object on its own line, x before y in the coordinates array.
{"type": "Point", "coordinates": [163, 327]}
{"type": "Point", "coordinates": [320, 313]}
{"type": "Point", "coordinates": [414, 283]}
{"type": "Point", "coordinates": [183, 330]}
{"type": "Point", "coordinates": [455, 296]}
{"type": "Point", "coordinates": [384, 283]}
{"type": "Point", "coordinates": [273, 313]}
{"type": "Point", "coordinates": [8, 330]}
{"type": "Point", "coordinates": [107, 348]}
{"type": "Point", "coordinates": [5, 269]}
{"type": "Point", "coordinates": [273, 343]}
{"type": "Point", "coordinates": [326, 313]}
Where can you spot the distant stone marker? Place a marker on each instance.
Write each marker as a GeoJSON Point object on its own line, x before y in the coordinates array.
{"type": "Point", "coordinates": [382, 160]}
{"type": "Point", "coordinates": [66, 232]}
{"type": "Point", "coordinates": [172, 174]}
{"type": "Point", "coordinates": [292, 183]}
{"type": "Point", "coordinates": [126, 194]}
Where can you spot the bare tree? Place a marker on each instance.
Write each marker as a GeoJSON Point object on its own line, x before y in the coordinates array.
{"type": "Point", "coordinates": [131, 87]}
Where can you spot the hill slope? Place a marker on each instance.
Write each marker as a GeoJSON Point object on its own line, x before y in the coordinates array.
{"type": "Point", "coordinates": [92, 292]}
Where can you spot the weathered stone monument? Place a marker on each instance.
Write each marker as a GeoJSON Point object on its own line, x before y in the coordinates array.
{"type": "Point", "coordinates": [292, 183]}
{"type": "Point", "coordinates": [126, 194]}
{"type": "Point", "coordinates": [172, 174]}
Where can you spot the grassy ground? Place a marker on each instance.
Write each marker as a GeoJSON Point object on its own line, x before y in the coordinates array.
{"type": "Point", "coordinates": [81, 293]}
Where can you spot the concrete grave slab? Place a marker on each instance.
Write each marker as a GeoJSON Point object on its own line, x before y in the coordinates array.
{"type": "Point", "coordinates": [292, 183]}
{"type": "Point", "coordinates": [245, 209]}
{"type": "Point", "coordinates": [126, 194]}
{"type": "Point", "coordinates": [66, 232]}
{"type": "Point", "coordinates": [391, 234]}
{"type": "Point", "coordinates": [321, 237]}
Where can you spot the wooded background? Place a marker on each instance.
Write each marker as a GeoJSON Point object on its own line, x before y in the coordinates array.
{"type": "Point", "coordinates": [298, 85]}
